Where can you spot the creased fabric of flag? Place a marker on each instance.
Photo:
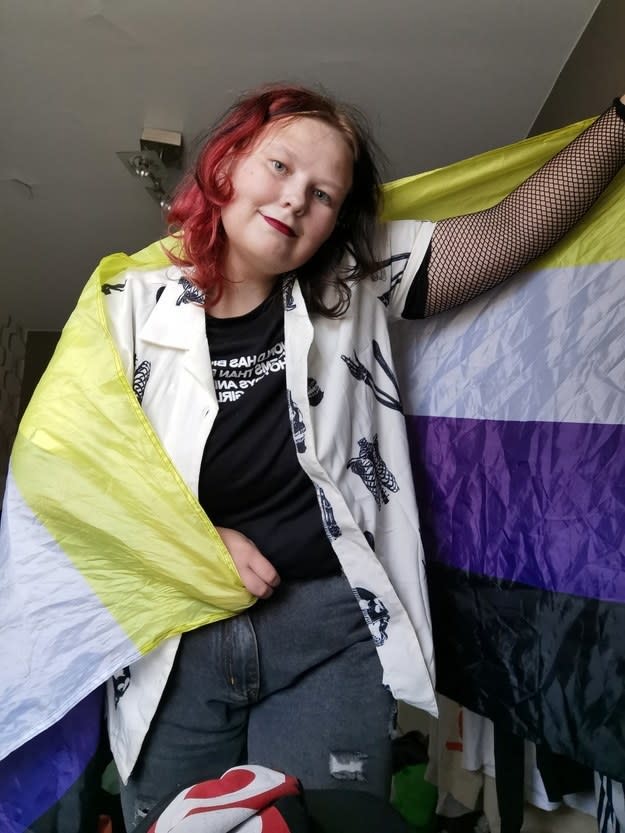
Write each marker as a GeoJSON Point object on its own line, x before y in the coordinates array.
{"type": "Point", "coordinates": [104, 553]}
{"type": "Point", "coordinates": [515, 406]}
{"type": "Point", "coordinates": [515, 412]}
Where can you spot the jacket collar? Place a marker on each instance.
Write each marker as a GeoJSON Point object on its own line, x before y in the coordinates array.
{"type": "Point", "coordinates": [177, 320]}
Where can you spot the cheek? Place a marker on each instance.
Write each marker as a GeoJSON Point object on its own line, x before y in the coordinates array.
{"type": "Point", "coordinates": [325, 229]}
{"type": "Point", "coordinates": [316, 239]}
{"type": "Point", "coordinates": [254, 185]}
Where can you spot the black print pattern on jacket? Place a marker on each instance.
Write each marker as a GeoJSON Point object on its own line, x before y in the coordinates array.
{"type": "Point", "coordinates": [374, 472]}
{"type": "Point", "coordinates": [375, 613]}
{"type": "Point", "coordinates": [287, 293]}
{"type": "Point", "coordinates": [191, 294]}
{"type": "Point", "coordinates": [140, 379]}
{"type": "Point", "coordinates": [395, 277]}
{"type": "Point", "coordinates": [370, 539]}
{"type": "Point", "coordinates": [332, 529]}
{"type": "Point", "coordinates": [107, 288]}
{"type": "Point", "coordinates": [315, 394]}
{"type": "Point", "coordinates": [297, 424]}
{"type": "Point", "coordinates": [363, 374]}
{"type": "Point", "coordinates": [120, 684]}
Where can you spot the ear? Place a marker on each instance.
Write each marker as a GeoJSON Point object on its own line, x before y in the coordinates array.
{"type": "Point", "coordinates": [227, 164]}
{"type": "Point", "coordinates": [223, 176]}
{"type": "Point", "coordinates": [222, 173]}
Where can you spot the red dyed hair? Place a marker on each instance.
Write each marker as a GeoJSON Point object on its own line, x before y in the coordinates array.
{"type": "Point", "coordinates": [195, 214]}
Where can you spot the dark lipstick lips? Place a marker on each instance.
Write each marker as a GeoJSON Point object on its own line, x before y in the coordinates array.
{"type": "Point", "coordinates": [280, 226]}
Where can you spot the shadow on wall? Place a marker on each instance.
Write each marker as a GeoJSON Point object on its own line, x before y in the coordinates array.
{"type": "Point", "coordinates": [12, 355]}
{"type": "Point", "coordinates": [23, 359]}
{"type": "Point", "coordinates": [40, 345]}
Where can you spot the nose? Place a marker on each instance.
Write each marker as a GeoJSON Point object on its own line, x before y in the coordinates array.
{"type": "Point", "coordinates": [294, 197]}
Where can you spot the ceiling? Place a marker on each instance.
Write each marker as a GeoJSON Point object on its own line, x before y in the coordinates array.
{"type": "Point", "coordinates": [79, 79]}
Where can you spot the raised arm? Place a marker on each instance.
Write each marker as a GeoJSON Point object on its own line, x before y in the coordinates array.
{"type": "Point", "coordinates": [474, 252]}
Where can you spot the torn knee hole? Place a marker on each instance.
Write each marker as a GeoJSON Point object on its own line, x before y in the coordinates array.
{"type": "Point", "coordinates": [348, 766]}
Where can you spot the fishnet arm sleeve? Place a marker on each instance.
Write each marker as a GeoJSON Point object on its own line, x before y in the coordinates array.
{"type": "Point", "coordinates": [475, 252]}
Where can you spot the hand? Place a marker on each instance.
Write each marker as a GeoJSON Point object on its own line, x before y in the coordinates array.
{"type": "Point", "coordinates": [257, 573]}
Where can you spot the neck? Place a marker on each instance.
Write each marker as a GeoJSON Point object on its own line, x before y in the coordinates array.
{"type": "Point", "coordinates": [240, 297]}
{"type": "Point", "coordinates": [243, 290]}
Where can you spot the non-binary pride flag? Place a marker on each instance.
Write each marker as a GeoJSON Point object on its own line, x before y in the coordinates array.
{"type": "Point", "coordinates": [515, 409]}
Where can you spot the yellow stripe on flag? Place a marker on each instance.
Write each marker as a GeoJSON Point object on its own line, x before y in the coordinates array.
{"type": "Point", "coordinates": [481, 181]}
{"type": "Point", "coordinates": [89, 465]}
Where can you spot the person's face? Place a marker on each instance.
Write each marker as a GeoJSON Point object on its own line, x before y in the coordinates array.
{"type": "Point", "coordinates": [287, 193]}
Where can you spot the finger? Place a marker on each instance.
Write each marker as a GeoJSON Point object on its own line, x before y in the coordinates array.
{"type": "Point", "coordinates": [256, 586]}
{"type": "Point", "coordinates": [264, 569]}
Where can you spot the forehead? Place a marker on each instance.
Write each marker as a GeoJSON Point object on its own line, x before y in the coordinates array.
{"type": "Point", "coordinates": [312, 142]}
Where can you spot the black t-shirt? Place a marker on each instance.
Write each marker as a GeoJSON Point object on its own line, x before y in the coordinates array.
{"type": "Point", "coordinates": [250, 478]}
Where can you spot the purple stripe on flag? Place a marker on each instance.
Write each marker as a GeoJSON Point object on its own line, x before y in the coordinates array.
{"type": "Point", "coordinates": [37, 774]}
{"type": "Point", "coordinates": [536, 502]}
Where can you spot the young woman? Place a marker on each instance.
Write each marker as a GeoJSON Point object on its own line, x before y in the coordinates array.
{"type": "Point", "coordinates": [262, 358]}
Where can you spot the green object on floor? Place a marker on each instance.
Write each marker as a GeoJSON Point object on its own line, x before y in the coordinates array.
{"type": "Point", "coordinates": [414, 798]}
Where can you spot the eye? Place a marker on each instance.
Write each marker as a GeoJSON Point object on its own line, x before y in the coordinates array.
{"type": "Point", "coordinates": [278, 166]}
{"type": "Point", "coordinates": [322, 196]}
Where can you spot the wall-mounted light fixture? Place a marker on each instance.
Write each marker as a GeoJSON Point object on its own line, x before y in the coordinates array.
{"type": "Point", "coordinates": [157, 164]}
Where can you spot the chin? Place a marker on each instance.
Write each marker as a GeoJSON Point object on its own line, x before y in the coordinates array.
{"type": "Point", "coordinates": [277, 265]}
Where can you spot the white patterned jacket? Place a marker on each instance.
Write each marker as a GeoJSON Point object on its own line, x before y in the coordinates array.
{"type": "Point", "coordinates": [356, 453]}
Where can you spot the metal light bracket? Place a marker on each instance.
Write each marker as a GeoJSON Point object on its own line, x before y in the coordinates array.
{"type": "Point", "coordinates": [157, 163]}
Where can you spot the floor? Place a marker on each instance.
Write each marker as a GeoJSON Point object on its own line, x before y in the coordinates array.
{"type": "Point", "coordinates": [560, 821]}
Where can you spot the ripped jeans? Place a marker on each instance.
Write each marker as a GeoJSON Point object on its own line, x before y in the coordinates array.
{"type": "Point", "coordinates": [294, 684]}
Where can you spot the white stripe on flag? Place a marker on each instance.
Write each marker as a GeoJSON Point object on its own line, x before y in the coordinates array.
{"type": "Point", "coordinates": [546, 346]}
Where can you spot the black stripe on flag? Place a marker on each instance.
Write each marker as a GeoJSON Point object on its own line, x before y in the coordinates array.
{"type": "Point", "coordinates": [550, 666]}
